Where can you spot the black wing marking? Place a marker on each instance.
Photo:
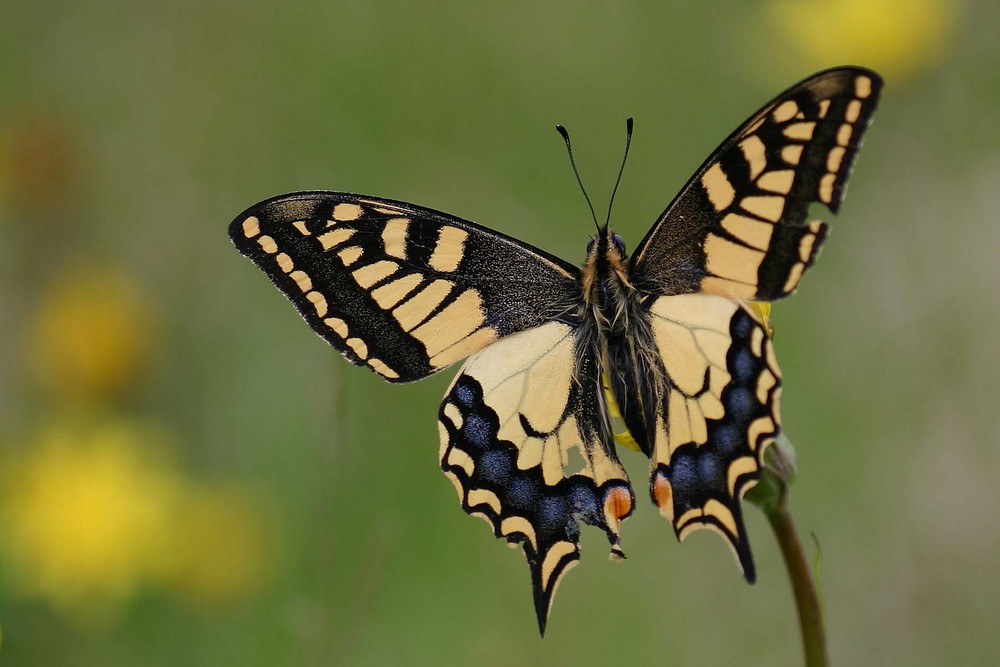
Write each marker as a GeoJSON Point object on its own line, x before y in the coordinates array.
{"type": "Point", "coordinates": [526, 440]}
{"type": "Point", "coordinates": [402, 289]}
{"type": "Point", "coordinates": [738, 228]}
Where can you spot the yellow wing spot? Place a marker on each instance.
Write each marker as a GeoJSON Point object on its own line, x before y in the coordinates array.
{"type": "Point", "coordinates": [826, 187]}
{"type": "Point", "coordinates": [757, 341]}
{"type": "Point", "coordinates": [454, 414]}
{"type": "Point", "coordinates": [392, 293]}
{"type": "Point", "coordinates": [721, 513]}
{"type": "Point", "coordinates": [359, 346]}
{"type": "Point", "coordinates": [267, 244]}
{"type": "Point", "coordinates": [350, 255]}
{"type": "Point", "coordinates": [800, 131]}
{"type": "Point", "coordinates": [777, 181]}
{"type": "Point", "coordinates": [449, 250]}
{"type": "Point", "coordinates": [251, 227]}
{"type": "Point", "coordinates": [338, 325]}
{"type": "Point", "coordinates": [344, 212]}
{"type": "Point", "coordinates": [301, 226]}
{"type": "Point", "coordinates": [720, 191]}
{"type": "Point", "coordinates": [862, 87]}
{"type": "Point", "coordinates": [710, 405]}
{"type": "Point", "coordinates": [741, 466]}
{"type": "Point", "coordinates": [834, 158]}
{"type": "Point", "coordinates": [844, 134]}
{"type": "Point", "coordinates": [758, 427]}
{"type": "Point", "coordinates": [285, 262]}
{"type": "Point", "coordinates": [302, 279]}
{"type": "Point", "coordinates": [755, 153]}
{"type": "Point", "coordinates": [785, 111]}
{"type": "Point", "coordinates": [794, 276]}
{"type": "Point", "coordinates": [485, 497]}
{"type": "Point", "coordinates": [513, 525]}
{"type": "Point", "coordinates": [853, 111]}
{"type": "Point", "coordinates": [457, 320]}
{"type": "Point", "coordinates": [750, 231]}
{"type": "Point", "coordinates": [413, 311]}
{"type": "Point", "coordinates": [457, 457]}
{"type": "Point", "coordinates": [558, 551]}
{"type": "Point", "coordinates": [806, 246]}
{"type": "Point", "coordinates": [726, 259]}
{"type": "Point", "coordinates": [334, 238]}
{"type": "Point", "coordinates": [394, 237]}
{"type": "Point", "coordinates": [687, 518]}
{"type": "Point", "coordinates": [792, 154]}
{"type": "Point", "coordinates": [765, 382]}
{"type": "Point", "coordinates": [824, 106]}
{"type": "Point", "coordinates": [375, 272]}
{"type": "Point", "coordinates": [383, 369]}
{"type": "Point", "coordinates": [530, 453]}
{"type": "Point", "coordinates": [769, 208]}
{"type": "Point", "coordinates": [318, 302]}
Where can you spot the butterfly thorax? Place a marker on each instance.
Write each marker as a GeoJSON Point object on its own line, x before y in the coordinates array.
{"type": "Point", "coordinates": [608, 296]}
{"type": "Point", "coordinates": [623, 334]}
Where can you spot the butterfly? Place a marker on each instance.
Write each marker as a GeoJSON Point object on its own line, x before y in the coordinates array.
{"type": "Point", "coordinates": [667, 351]}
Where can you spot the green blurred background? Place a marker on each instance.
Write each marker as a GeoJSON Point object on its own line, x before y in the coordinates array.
{"type": "Point", "coordinates": [189, 475]}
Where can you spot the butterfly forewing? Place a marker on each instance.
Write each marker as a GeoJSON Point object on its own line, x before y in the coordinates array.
{"type": "Point", "coordinates": [402, 289]}
{"type": "Point", "coordinates": [525, 438]}
{"type": "Point", "coordinates": [738, 228]}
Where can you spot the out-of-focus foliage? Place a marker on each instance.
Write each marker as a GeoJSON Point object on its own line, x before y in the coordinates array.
{"type": "Point", "coordinates": [187, 474]}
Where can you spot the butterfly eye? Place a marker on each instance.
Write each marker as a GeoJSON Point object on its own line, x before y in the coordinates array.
{"type": "Point", "coordinates": [620, 244]}
{"type": "Point", "coordinates": [590, 245]}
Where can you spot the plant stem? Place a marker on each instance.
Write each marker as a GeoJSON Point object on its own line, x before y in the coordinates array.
{"type": "Point", "coordinates": [803, 585]}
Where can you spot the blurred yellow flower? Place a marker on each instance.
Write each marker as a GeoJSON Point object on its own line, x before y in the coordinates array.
{"type": "Point", "coordinates": [90, 336]}
{"type": "Point", "coordinates": [223, 545]}
{"type": "Point", "coordinates": [86, 519]}
{"type": "Point", "coordinates": [91, 515]}
{"type": "Point", "coordinates": [897, 38]}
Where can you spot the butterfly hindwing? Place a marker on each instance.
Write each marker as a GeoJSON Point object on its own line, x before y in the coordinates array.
{"type": "Point", "coordinates": [402, 289]}
{"type": "Point", "coordinates": [526, 440]}
{"type": "Point", "coordinates": [718, 414]}
{"type": "Point", "coordinates": [738, 228]}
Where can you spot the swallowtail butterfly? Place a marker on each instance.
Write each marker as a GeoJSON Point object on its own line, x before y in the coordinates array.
{"type": "Point", "coordinates": [667, 350]}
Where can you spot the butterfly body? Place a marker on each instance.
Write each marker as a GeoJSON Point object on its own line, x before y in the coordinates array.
{"type": "Point", "coordinates": [666, 350]}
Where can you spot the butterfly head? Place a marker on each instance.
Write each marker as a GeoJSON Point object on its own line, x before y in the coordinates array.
{"type": "Point", "coordinates": [605, 273]}
{"type": "Point", "coordinates": [607, 244]}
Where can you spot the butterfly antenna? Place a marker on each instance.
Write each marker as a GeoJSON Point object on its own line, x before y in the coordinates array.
{"type": "Point", "coordinates": [569, 149]}
{"type": "Point", "coordinates": [628, 142]}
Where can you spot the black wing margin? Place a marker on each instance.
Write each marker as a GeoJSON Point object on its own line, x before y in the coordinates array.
{"type": "Point", "coordinates": [402, 289]}
{"type": "Point", "coordinates": [738, 227]}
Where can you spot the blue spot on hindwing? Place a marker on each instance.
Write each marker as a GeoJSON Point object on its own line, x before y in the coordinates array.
{"type": "Point", "coordinates": [740, 403]}
{"type": "Point", "coordinates": [742, 365]}
{"type": "Point", "coordinates": [477, 431]}
{"type": "Point", "coordinates": [494, 466]}
{"type": "Point", "coordinates": [726, 438]}
{"type": "Point", "coordinates": [465, 396]}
